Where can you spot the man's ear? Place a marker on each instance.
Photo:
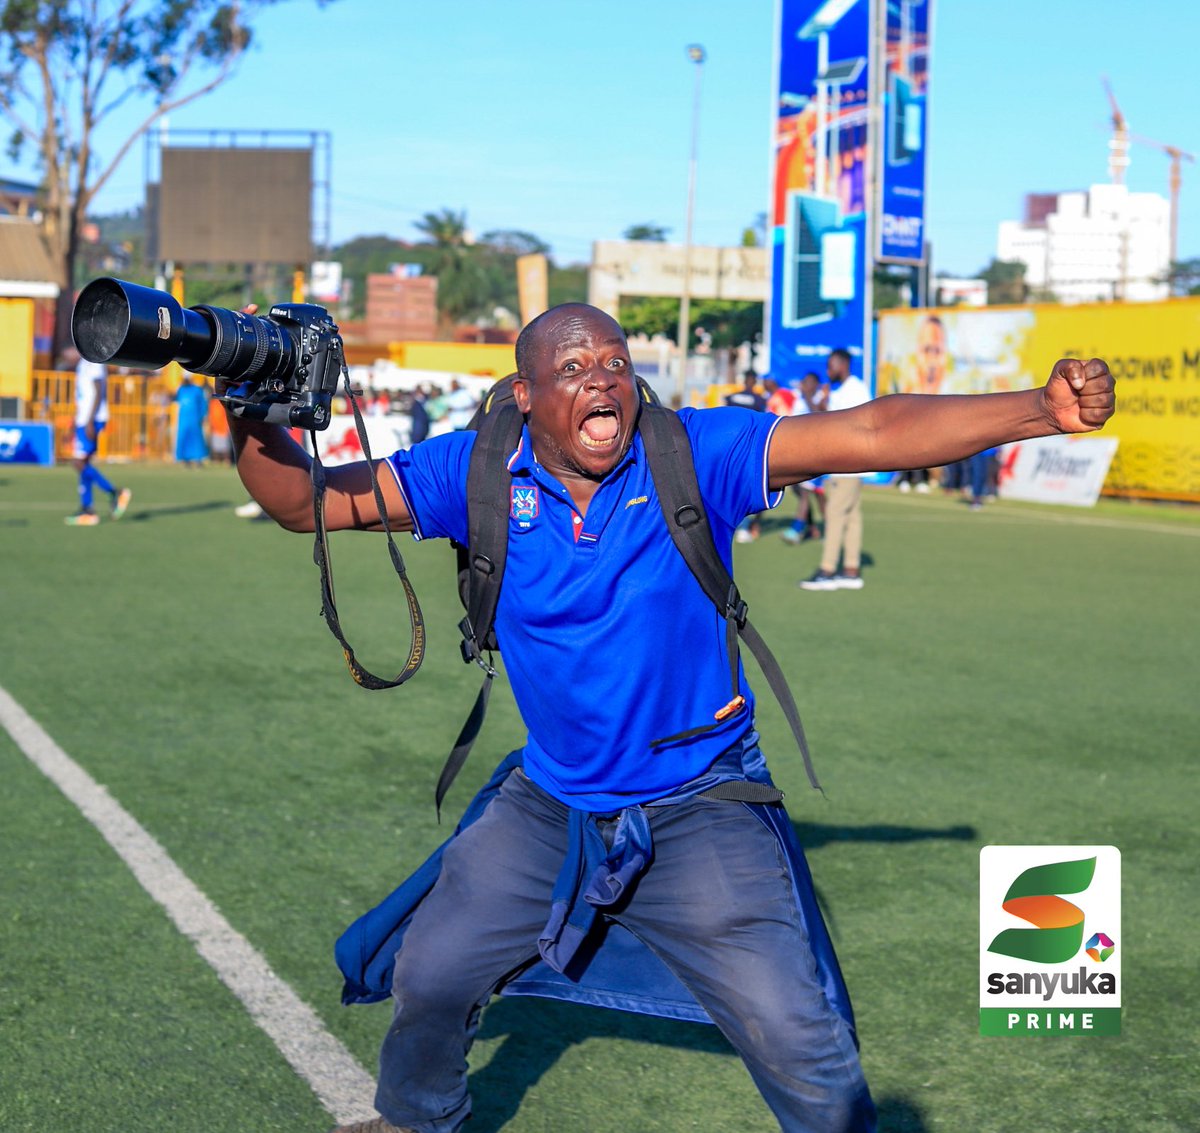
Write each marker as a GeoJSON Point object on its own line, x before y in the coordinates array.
{"type": "Point", "coordinates": [520, 389]}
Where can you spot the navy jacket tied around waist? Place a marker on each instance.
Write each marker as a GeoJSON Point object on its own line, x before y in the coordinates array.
{"type": "Point", "coordinates": [585, 958]}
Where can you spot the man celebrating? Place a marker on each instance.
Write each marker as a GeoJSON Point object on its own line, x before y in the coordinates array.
{"type": "Point", "coordinates": [594, 595]}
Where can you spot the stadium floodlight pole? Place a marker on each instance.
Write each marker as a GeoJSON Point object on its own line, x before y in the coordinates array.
{"type": "Point", "coordinates": [696, 54]}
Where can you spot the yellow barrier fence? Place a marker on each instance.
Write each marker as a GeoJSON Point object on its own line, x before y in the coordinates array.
{"type": "Point", "coordinates": [141, 415]}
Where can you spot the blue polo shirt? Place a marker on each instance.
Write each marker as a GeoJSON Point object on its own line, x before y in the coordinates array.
{"type": "Point", "coordinates": [608, 641]}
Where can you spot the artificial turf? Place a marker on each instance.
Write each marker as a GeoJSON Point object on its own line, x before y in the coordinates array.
{"type": "Point", "coordinates": [1017, 675]}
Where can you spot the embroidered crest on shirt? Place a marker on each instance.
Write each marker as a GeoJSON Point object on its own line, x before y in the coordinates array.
{"type": "Point", "coordinates": [524, 505]}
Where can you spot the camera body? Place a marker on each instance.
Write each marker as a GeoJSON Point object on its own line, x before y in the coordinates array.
{"type": "Point", "coordinates": [298, 395]}
{"type": "Point", "coordinates": [282, 369]}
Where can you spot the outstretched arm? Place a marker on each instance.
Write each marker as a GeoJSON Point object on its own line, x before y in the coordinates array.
{"type": "Point", "coordinates": [276, 472]}
{"type": "Point", "coordinates": [919, 431]}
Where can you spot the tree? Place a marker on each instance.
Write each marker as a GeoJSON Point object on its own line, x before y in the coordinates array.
{"type": "Point", "coordinates": [461, 285]}
{"type": "Point", "coordinates": [654, 233]}
{"type": "Point", "coordinates": [729, 322]}
{"type": "Point", "coordinates": [445, 228]}
{"type": "Point", "coordinates": [1183, 277]}
{"type": "Point", "coordinates": [568, 284]}
{"type": "Point", "coordinates": [891, 286]}
{"type": "Point", "coordinates": [66, 65]}
{"type": "Point", "coordinates": [755, 235]}
{"type": "Point", "coordinates": [515, 242]}
{"type": "Point", "coordinates": [1006, 281]}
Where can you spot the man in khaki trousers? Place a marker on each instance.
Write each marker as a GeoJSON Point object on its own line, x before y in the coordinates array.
{"type": "Point", "coordinates": [841, 551]}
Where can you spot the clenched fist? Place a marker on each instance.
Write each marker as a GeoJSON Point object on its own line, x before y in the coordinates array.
{"type": "Point", "coordinates": [1079, 396]}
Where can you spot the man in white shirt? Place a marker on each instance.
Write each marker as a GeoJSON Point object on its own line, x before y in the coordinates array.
{"type": "Point", "coordinates": [91, 415]}
{"type": "Point", "coordinates": [843, 494]}
{"type": "Point", "coordinates": [460, 404]}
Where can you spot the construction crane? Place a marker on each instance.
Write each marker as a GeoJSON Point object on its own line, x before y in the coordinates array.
{"type": "Point", "coordinates": [1178, 157]}
{"type": "Point", "coordinates": [1118, 145]}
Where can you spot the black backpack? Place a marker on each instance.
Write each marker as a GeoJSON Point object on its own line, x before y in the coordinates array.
{"type": "Point", "coordinates": [498, 423]}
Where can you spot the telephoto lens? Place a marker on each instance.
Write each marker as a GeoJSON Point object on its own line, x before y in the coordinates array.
{"type": "Point", "coordinates": [126, 324]}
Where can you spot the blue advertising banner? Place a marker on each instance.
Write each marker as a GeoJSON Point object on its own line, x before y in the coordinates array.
{"type": "Point", "coordinates": [26, 442]}
{"type": "Point", "coordinates": [905, 128]}
{"type": "Point", "coordinates": [820, 208]}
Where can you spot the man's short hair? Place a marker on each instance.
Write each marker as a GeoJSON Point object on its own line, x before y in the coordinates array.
{"type": "Point", "coordinates": [842, 353]}
{"type": "Point", "coordinates": [525, 345]}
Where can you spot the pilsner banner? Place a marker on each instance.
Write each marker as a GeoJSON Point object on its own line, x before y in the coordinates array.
{"type": "Point", "coordinates": [1153, 350]}
{"type": "Point", "coordinates": [1056, 470]}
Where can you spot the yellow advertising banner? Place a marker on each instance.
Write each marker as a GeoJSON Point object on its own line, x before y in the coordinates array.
{"type": "Point", "coordinates": [16, 347]}
{"type": "Point", "coordinates": [532, 286]}
{"type": "Point", "coordinates": [1153, 350]}
{"type": "Point", "coordinates": [484, 359]}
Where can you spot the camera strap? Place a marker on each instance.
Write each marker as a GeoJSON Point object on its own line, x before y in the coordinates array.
{"type": "Point", "coordinates": [416, 652]}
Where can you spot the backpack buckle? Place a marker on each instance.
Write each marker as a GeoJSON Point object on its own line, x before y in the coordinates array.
{"type": "Point", "coordinates": [735, 705]}
{"type": "Point", "coordinates": [469, 647]}
{"type": "Point", "coordinates": [735, 607]}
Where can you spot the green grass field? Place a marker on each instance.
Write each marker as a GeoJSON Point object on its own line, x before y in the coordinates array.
{"type": "Point", "coordinates": [1020, 675]}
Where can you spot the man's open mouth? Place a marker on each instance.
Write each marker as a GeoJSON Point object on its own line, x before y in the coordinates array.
{"type": "Point", "coordinates": [600, 428]}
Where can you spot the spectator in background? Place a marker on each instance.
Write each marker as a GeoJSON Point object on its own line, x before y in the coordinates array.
{"type": "Point", "coordinates": [418, 419]}
{"type": "Point", "coordinates": [811, 398]}
{"type": "Point", "coordinates": [748, 397]}
{"type": "Point", "coordinates": [841, 555]}
{"type": "Point", "coordinates": [956, 477]}
{"type": "Point", "coordinates": [191, 406]}
{"type": "Point", "coordinates": [780, 400]}
{"type": "Point", "coordinates": [980, 468]}
{"type": "Point", "coordinates": [91, 415]}
{"type": "Point", "coordinates": [461, 404]}
{"type": "Point", "coordinates": [913, 478]}
{"type": "Point", "coordinates": [379, 403]}
{"type": "Point", "coordinates": [218, 433]}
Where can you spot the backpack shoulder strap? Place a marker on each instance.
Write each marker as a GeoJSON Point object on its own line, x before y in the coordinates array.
{"type": "Point", "coordinates": [481, 567]}
{"type": "Point", "coordinates": [488, 505]}
{"type": "Point", "coordinates": [669, 454]}
{"type": "Point", "coordinates": [673, 468]}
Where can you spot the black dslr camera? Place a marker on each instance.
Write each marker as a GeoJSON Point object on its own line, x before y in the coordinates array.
{"type": "Point", "coordinates": [288, 364]}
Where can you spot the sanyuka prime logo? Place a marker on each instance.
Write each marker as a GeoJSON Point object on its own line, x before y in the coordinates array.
{"type": "Point", "coordinates": [1055, 972]}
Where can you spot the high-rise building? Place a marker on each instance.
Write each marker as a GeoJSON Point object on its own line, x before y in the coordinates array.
{"type": "Point", "coordinates": [1105, 244]}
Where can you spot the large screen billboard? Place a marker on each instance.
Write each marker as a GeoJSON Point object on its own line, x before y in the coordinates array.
{"type": "Point", "coordinates": [905, 97]}
{"type": "Point", "coordinates": [225, 204]}
{"type": "Point", "coordinates": [820, 210]}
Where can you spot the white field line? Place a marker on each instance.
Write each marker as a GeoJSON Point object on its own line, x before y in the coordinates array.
{"type": "Point", "coordinates": [1021, 514]}
{"type": "Point", "coordinates": [342, 1086]}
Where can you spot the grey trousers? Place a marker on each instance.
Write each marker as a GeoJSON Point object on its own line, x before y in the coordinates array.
{"type": "Point", "coordinates": [716, 905]}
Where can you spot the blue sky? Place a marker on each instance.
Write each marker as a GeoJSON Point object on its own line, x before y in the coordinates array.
{"type": "Point", "coordinates": [571, 119]}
